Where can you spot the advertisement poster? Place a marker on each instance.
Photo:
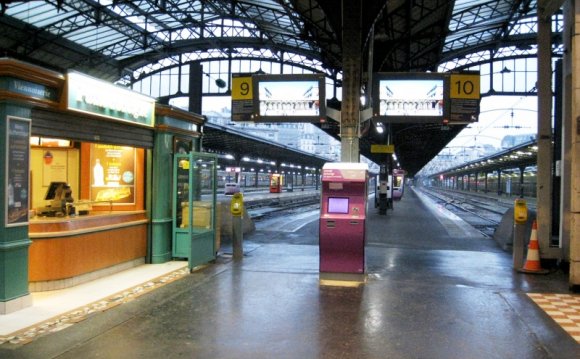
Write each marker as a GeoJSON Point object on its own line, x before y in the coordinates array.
{"type": "Point", "coordinates": [17, 171]}
{"type": "Point", "coordinates": [113, 174]}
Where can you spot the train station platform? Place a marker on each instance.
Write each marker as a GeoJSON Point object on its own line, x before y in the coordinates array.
{"type": "Point", "coordinates": [435, 288]}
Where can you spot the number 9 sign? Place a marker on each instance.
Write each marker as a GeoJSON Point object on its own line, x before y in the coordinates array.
{"type": "Point", "coordinates": [242, 88]}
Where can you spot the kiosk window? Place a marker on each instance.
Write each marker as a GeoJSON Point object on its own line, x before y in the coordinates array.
{"type": "Point", "coordinates": [337, 205]}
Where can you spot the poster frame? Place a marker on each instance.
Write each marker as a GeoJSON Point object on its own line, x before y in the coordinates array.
{"type": "Point", "coordinates": [23, 219]}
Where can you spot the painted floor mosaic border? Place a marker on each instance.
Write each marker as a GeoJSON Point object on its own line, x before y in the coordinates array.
{"type": "Point", "coordinates": [66, 320]}
{"type": "Point", "coordinates": [564, 309]}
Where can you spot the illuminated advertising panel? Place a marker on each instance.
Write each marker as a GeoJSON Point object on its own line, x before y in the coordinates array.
{"type": "Point", "coordinates": [112, 174]}
{"type": "Point", "coordinates": [90, 95]}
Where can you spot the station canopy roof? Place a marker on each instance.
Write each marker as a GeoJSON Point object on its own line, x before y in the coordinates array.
{"type": "Point", "coordinates": [227, 140]}
{"type": "Point", "coordinates": [521, 156]}
{"type": "Point", "coordinates": [113, 39]}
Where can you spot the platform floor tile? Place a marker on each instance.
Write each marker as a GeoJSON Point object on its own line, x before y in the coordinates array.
{"type": "Point", "coordinates": [79, 314]}
{"type": "Point", "coordinates": [564, 309]}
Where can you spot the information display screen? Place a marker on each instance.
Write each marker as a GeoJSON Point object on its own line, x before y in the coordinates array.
{"type": "Point", "coordinates": [410, 97]}
{"type": "Point", "coordinates": [338, 205]}
{"type": "Point", "coordinates": [289, 98]}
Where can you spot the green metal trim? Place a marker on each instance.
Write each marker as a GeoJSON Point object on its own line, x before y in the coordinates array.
{"type": "Point", "coordinates": [162, 220]}
{"type": "Point", "coordinates": [12, 245]}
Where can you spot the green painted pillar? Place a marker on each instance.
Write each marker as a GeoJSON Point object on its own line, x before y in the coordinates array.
{"type": "Point", "coordinates": [14, 240]}
{"type": "Point", "coordinates": [161, 197]}
{"type": "Point", "coordinates": [14, 244]}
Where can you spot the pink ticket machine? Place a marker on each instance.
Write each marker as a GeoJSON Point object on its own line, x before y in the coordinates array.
{"type": "Point", "coordinates": [342, 221]}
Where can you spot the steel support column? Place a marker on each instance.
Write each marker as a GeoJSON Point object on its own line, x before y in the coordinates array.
{"type": "Point", "coordinates": [485, 183]}
{"type": "Point", "coordinates": [351, 60]}
{"type": "Point", "coordinates": [570, 219]}
{"type": "Point", "coordinates": [544, 137]}
{"type": "Point", "coordinates": [522, 178]}
{"type": "Point", "coordinates": [195, 87]}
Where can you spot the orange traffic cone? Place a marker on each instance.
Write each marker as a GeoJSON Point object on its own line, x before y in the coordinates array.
{"type": "Point", "coordinates": [532, 264]}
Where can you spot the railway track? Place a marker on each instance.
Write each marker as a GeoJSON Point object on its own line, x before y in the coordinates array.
{"type": "Point", "coordinates": [261, 210]}
{"type": "Point", "coordinates": [483, 215]}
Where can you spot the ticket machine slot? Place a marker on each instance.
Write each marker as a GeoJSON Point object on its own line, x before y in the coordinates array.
{"type": "Point", "coordinates": [330, 224]}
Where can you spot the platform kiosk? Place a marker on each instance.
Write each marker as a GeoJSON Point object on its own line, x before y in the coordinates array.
{"type": "Point", "coordinates": [342, 222]}
{"type": "Point", "coordinates": [275, 183]}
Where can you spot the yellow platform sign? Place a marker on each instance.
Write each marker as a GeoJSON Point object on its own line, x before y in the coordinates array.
{"type": "Point", "coordinates": [464, 86]}
{"type": "Point", "coordinates": [382, 148]}
{"type": "Point", "coordinates": [242, 88]}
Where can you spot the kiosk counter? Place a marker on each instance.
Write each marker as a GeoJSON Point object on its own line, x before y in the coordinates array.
{"type": "Point", "coordinates": [64, 249]}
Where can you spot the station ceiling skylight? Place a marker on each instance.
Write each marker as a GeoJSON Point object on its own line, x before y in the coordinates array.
{"type": "Point", "coordinates": [482, 22]}
{"type": "Point", "coordinates": [128, 31]}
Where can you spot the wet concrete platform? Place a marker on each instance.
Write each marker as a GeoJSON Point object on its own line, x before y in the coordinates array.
{"type": "Point", "coordinates": [435, 289]}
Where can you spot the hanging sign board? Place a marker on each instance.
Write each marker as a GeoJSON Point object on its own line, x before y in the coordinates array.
{"type": "Point", "coordinates": [464, 98]}
{"type": "Point", "coordinates": [242, 97]}
{"type": "Point", "coordinates": [426, 97]}
{"type": "Point", "coordinates": [382, 148]}
{"type": "Point", "coordinates": [289, 98]}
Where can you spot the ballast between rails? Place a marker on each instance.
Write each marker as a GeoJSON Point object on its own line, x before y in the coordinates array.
{"type": "Point", "coordinates": [263, 207]}
{"type": "Point", "coordinates": [481, 211]}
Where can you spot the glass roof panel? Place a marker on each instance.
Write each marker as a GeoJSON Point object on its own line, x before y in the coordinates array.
{"type": "Point", "coordinates": [266, 4]}
{"type": "Point", "coordinates": [96, 37]}
{"type": "Point", "coordinates": [478, 21]}
{"type": "Point", "coordinates": [270, 14]}
{"type": "Point", "coordinates": [35, 12]}
{"type": "Point", "coordinates": [121, 28]}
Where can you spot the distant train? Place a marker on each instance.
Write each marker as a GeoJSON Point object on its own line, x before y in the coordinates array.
{"type": "Point", "coordinates": [388, 190]}
{"type": "Point", "coordinates": [232, 182]}
{"type": "Point", "coordinates": [511, 183]}
{"type": "Point", "coordinates": [398, 184]}
{"type": "Point", "coordinates": [231, 187]}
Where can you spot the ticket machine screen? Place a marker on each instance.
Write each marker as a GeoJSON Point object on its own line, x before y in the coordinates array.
{"type": "Point", "coordinates": [337, 205]}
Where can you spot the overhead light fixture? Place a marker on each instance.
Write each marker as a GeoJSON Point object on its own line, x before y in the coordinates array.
{"type": "Point", "coordinates": [379, 127]}
{"type": "Point", "coordinates": [218, 82]}
{"type": "Point", "coordinates": [505, 70]}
